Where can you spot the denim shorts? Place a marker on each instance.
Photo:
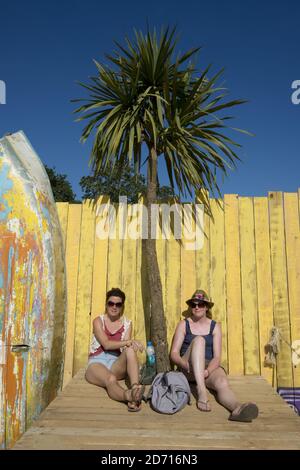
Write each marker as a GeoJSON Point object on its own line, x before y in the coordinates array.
{"type": "Point", "coordinates": [107, 359]}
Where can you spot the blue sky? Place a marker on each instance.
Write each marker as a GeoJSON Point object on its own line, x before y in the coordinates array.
{"type": "Point", "coordinates": [45, 47]}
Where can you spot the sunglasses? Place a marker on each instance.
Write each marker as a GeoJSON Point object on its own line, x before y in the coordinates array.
{"type": "Point", "coordinates": [197, 304]}
{"type": "Point", "coordinates": [114, 304]}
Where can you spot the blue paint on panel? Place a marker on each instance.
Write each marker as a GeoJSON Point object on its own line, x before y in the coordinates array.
{"type": "Point", "coordinates": [5, 185]}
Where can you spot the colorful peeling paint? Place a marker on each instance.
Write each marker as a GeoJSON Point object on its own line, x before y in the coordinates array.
{"type": "Point", "coordinates": [32, 289]}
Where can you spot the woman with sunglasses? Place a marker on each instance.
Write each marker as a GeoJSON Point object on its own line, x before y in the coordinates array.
{"type": "Point", "coordinates": [113, 353]}
{"type": "Point", "coordinates": [196, 350]}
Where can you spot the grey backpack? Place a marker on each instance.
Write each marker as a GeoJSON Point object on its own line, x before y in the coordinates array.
{"type": "Point", "coordinates": [169, 392]}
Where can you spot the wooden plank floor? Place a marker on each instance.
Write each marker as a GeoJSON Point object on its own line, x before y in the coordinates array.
{"type": "Point", "coordinates": [83, 417]}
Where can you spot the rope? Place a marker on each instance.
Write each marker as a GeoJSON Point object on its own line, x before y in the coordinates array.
{"type": "Point", "coordinates": [272, 348]}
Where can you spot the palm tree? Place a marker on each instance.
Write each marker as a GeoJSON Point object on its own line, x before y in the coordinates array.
{"type": "Point", "coordinates": [147, 98]}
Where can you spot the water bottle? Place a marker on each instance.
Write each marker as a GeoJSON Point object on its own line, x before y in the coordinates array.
{"type": "Point", "coordinates": [150, 354]}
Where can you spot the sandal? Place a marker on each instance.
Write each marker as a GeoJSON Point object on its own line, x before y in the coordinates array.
{"type": "Point", "coordinates": [135, 397]}
{"type": "Point", "coordinates": [203, 405]}
{"type": "Point", "coordinates": [246, 413]}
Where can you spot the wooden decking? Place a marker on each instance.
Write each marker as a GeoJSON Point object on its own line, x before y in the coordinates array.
{"type": "Point", "coordinates": [83, 417]}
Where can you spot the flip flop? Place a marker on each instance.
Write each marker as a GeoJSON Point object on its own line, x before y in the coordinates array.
{"type": "Point", "coordinates": [246, 413]}
{"type": "Point", "coordinates": [136, 396]}
{"type": "Point", "coordinates": [203, 405]}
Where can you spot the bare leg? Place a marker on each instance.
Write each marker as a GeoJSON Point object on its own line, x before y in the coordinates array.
{"type": "Point", "coordinates": [218, 381]}
{"type": "Point", "coordinates": [98, 374]}
{"type": "Point", "coordinates": [244, 412]}
{"type": "Point", "coordinates": [196, 356]}
{"type": "Point", "coordinates": [127, 362]}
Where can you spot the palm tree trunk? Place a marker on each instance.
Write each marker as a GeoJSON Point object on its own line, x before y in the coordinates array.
{"type": "Point", "coordinates": [158, 329]}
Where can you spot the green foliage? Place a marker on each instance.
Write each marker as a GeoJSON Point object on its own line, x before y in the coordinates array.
{"type": "Point", "coordinates": [115, 183]}
{"type": "Point", "coordinates": [61, 188]}
{"type": "Point", "coordinates": [148, 96]}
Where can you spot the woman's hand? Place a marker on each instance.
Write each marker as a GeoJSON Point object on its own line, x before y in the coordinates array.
{"type": "Point", "coordinates": [206, 373]}
{"type": "Point", "coordinates": [136, 345]}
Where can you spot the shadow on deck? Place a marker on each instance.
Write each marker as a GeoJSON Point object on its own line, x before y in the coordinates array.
{"type": "Point", "coordinates": [84, 417]}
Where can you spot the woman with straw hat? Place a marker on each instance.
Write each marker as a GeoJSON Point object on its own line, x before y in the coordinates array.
{"type": "Point", "coordinates": [196, 350]}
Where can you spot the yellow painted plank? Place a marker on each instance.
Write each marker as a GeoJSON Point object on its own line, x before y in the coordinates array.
{"type": "Point", "coordinates": [249, 287]}
{"type": "Point", "coordinates": [142, 302]}
{"type": "Point", "coordinates": [217, 260]}
{"type": "Point", "coordinates": [115, 251]}
{"type": "Point", "coordinates": [100, 260]}
{"type": "Point", "coordinates": [280, 289]}
{"type": "Point", "coordinates": [84, 290]}
{"type": "Point", "coordinates": [292, 235]}
{"type": "Point", "coordinates": [161, 256]}
{"type": "Point", "coordinates": [203, 258]}
{"type": "Point", "coordinates": [72, 267]}
{"type": "Point", "coordinates": [264, 281]}
{"type": "Point", "coordinates": [233, 285]}
{"type": "Point", "coordinates": [173, 276]}
{"type": "Point", "coordinates": [188, 260]}
{"type": "Point", "coordinates": [129, 261]}
{"type": "Point", "coordinates": [62, 210]}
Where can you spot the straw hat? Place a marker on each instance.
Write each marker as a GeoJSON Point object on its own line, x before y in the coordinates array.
{"type": "Point", "coordinates": [200, 296]}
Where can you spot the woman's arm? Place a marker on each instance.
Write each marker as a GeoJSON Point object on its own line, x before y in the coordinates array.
{"type": "Point", "coordinates": [108, 344]}
{"type": "Point", "coordinates": [137, 346]}
{"type": "Point", "coordinates": [176, 346]}
{"type": "Point", "coordinates": [217, 348]}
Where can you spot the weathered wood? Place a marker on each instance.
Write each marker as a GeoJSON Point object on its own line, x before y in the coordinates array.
{"type": "Point", "coordinates": [264, 282]}
{"type": "Point", "coordinates": [233, 285]}
{"type": "Point", "coordinates": [217, 264]}
{"type": "Point", "coordinates": [32, 289]}
{"type": "Point", "coordinates": [245, 252]}
{"type": "Point", "coordinates": [292, 235]}
{"type": "Point", "coordinates": [173, 275]}
{"type": "Point", "coordinates": [72, 261]}
{"type": "Point", "coordinates": [84, 417]}
{"type": "Point", "coordinates": [203, 257]}
{"type": "Point", "coordinates": [249, 287]}
{"type": "Point", "coordinates": [100, 261]}
{"type": "Point", "coordinates": [84, 289]}
{"type": "Point", "coordinates": [280, 289]}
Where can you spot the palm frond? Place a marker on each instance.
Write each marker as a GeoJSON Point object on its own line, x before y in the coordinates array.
{"type": "Point", "coordinates": [147, 96]}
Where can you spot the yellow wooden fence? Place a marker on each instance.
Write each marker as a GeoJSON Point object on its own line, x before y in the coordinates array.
{"type": "Point", "coordinates": [249, 264]}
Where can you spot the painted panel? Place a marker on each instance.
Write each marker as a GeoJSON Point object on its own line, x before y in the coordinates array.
{"type": "Point", "coordinates": [173, 278]}
{"type": "Point", "coordinates": [233, 285]}
{"type": "Point", "coordinates": [72, 263]}
{"type": "Point", "coordinates": [264, 281]}
{"type": "Point", "coordinates": [32, 288]}
{"type": "Point", "coordinates": [84, 289]}
{"type": "Point", "coordinates": [292, 234]}
{"type": "Point", "coordinates": [249, 287]}
{"type": "Point", "coordinates": [251, 250]}
{"type": "Point", "coordinates": [217, 262]}
{"type": "Point", "coordinates": [280, 288]}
